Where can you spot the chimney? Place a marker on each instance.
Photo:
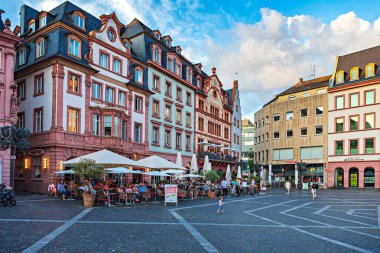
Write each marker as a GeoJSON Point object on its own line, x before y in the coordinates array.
{"type": "Point", "coordinates": [213, 70]}
{"type": "Point", "coordinates": [300, 80]}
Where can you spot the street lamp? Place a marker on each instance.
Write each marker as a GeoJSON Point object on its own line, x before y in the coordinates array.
{"type": "Point", "coordinates": [15, 139]}
{"type": "Point", "coordinates": [300, 166]}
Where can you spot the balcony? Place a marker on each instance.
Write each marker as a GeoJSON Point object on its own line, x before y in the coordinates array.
{"type": "Point", "coordinates": [217, 157]}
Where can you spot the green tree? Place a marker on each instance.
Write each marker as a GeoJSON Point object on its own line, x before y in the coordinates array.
{"type": "Point", "coordinates": [250, 161]}
{"type": "Point", "coordinates": [212, 176]}
{"type": "Point", "coordinates": [89, 169]}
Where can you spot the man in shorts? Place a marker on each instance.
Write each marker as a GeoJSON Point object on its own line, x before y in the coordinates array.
{"type": "Point", "coordinates": [314, 188]}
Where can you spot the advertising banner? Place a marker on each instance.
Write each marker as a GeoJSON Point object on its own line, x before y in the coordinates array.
{"type": "Point", "coordinates": [171, 194]}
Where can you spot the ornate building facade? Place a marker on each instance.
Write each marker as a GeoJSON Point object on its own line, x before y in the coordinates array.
{"type": "Point", "coordinates": [8, 100]}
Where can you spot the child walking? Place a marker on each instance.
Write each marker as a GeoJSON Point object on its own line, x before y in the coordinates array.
{"type": "Point", "coordinates": [220, 205]}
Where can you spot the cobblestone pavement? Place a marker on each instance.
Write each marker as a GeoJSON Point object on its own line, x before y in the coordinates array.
{"type": "Point", "coordinates": [338, 221]}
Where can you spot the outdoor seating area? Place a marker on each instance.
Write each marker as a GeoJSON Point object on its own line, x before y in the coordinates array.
{"type": "Point", "coordinates": [122, 181]}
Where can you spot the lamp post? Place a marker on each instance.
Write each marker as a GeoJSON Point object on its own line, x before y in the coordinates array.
{"type": "Point", "coordinates": [300, 165]}
{"type": "Point", "coordinates": [15, 139]}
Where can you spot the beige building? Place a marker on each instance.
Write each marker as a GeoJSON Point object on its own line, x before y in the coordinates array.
{"type": "Point", "coordinates": [291, 129]}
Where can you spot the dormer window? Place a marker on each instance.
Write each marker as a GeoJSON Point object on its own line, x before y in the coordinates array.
{"type": "Point", "coordinates": [32, 26]}
{"type": "Point", "coordinates": [175, 66]}
{"type": "Point", "coordinates": [128, 46]}
{"type": "Point", "coordinates": [370, 70]}
{"type": "Point", "coordinates": [74, 46]}
{"type": "Point", "coordinates": [40, 48]}
{"type": "Point", "coordinates": [354, 74]}
{"type": "Point", "coordinates": [111, 34]}
{"type": "Point", "coordinates": [167, 42]}
{"type": "Point", "coordinates": [189, 75]}
{"type": "Point", "coordinates": [22, 56]}
{"type": "Point", "coordinates": [169, 64]}
{"type": "Point", "coordinates": [156, 58]}
{"type": "Point", "coordinates": [199, 83]}
{"type": "Point", "coordinates": [79, 21]}
{"type": "Point", "coordinates": [139, 75]}
{"type": "Point", "coordinates": [340, 77]}
{"type": "Point", "coordinates": [157, 36]}
{"type": "Point", "coordinates": [43, 21]}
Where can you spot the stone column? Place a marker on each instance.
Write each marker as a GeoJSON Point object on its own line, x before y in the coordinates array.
{"type": "Point", "coordinates": [377, 178]}
{"type": "Point", "coordinates": [361, 178]}
{"type": "Point", "coordinates": [87, 120]}
{"type": "Point", "coordinates": [58, 75]}
{"type": "Point", "coordinates": [270, 174]}
{"type": "Point", "coordinates": [346, 178]}
{"type": "Point", "coordinates": [146, 124]}
{"type": "Point", "coordinates": [296, 175]}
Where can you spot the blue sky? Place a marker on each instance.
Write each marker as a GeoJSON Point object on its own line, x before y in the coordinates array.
{"type": "Point", "coordinates": [269, 43]}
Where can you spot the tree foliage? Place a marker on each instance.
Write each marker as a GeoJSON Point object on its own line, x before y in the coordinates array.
{"type": "Point", "coordinates": [89, 169]}
{"type": "Point", "coordinates": [212, 176]}
{"type": "Point", "coordinates": [250, 161]}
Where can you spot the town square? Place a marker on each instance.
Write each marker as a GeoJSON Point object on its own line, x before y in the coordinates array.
{"type": "Point", "coordinates": [189, 126]}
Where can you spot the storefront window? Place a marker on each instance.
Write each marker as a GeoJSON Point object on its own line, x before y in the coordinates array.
{"type": "Point", "coordinates": [369, 177]}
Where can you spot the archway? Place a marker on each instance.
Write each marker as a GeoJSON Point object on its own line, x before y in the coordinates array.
{"type": "Point", "coordinates": [369, 177]}
{"type": "Point", "coordinates": [339, 177]}
{"type": "Point", "coordinates": [354, 177]}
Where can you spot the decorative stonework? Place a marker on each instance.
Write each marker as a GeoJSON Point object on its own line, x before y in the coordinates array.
{"type": "Point", "coordinates": [73, 138]}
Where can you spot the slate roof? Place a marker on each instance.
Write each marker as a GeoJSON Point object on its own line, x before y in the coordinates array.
{"type": "Point", "coordinates": [2, 26]}
{"type": "Point", "coordinates": [359, 59]}
{"type": "Point", "coordinates": [307, 85]}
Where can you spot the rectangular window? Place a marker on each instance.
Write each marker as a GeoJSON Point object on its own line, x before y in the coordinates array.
{"type": "Point", "coordinates": [37, 166]}
{"type": "Point", "coordinates": [107, 125]}
{"type": "Point", "coordinates": [96, 90]}
{"type": "Point", "coordinates": [303, 131]}
{"type": "Point", "coordinates": [79, 21]}
{"type": "Point", "coordinates": [124, 130]}
{"type": "Point", "coordinates": [178, 116]}
{"type": "Point", "coordinates": [121, 98]}
{"type": "Point", "coordinates": [110, 95]}
{"type": "Point", "coordinates": [168, 112]}
{"type": "Point", "coordinates": [38, 120]}
{"type": "Point", "coordinates": [39, 85]}
{"type": "Point", "coordinates": [353, 147]}
{"type": "Point", "coordinates": [339, 125]}
{"type": "Point", "coordinates": [354, 123]}
{"type": "Point", "coordinates": [40, 47]}
{"type": "Point", "coordinates": [289, 134]}
{"type": "Point", "coordinates": [117, 126]}
{"type": "Point", "coordinates": [138, 104]}
{"type": "Point", "coordinates": [21, 120]}
{"type": "Point", "coordinates": [103, 60]}
{"type": "Point", "coordinates": [188, 142]}
{"type": "Point", "coordinates": [74, 47]}
{"type": "Point", "coordinates": [21, 90]}
{"type": "Point", "coordinates": [155, 134]}
{"type": "Point", "coordinates": [116, 66]}
{"type": "Point", "coordinates": [339, 102]}
{"type": "Point", "coordinates": [139, 76]}
{"type": "Point", "coordinates": [369, 70]}
{"type": "Point", "coordinates": [266, 137]}
{"type": "Point", "coordinates": [167, 138]}
{"type": "Point", "coordinates": [292, 97]}
{"type": "Point", "coordinates": [369, 97]}
{"type": "Point", "coordinates": [311, 152]}
{"type": "Point", "coordinates": [303, 113]}
{"type": "Point", "coordinates": [276, 117]}
{"type": "Point", "coordinates": [73, 124]}
{"type": "Point", "coordinates": [276, 135]}
{"type": "Point", "coordinates": [354, 99]}
{"type": "Point", "coordinates": [156, 108]}
{"type": "Point", "coordinates": [338, 147]}
{"type": "Point", "coordinates": [369, 146]}
{"type": "Point", "coordinates": [32, 27]}
{"type": "Point", "coordinates": [319, 110]}
{"type": "Point", "coordinates": [282, 154]}
{"type": "Point", "coordinates": [188, 98]}
{"type": "Point", "coordinates": [178, 138]}
{"type": "Point", "coordinates": [42, 22]}
{"type": "Point", "coordinates": [289, 115]}
{"type": "Point", "coordinates": [168, 89]}
{"type": "Point", "coordinates": [22, 56]}
{"type": "Point", "coordinates": [156, 85]}
{"type": "Point", "coordinates": [96, 124]}
{"type": "Point", "coordinates": [74, 83]}
{"type": "Point", "coordinates": [179, 94]}
{"type": "Point", "coordinates": [369, 121]}
{"type": "Point", "coordinates": [201, 124]}
{"type": "Point", "coordinates": [188, 119]}
{"type": "Point", "coordinates": [318, 130]}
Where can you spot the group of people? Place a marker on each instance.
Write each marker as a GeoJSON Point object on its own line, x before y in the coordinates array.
{"type": "Point", "coordinates": [314, 187]}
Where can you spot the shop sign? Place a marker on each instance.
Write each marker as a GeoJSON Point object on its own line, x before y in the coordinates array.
{"type": "Point", "coordinates": [354, 180]}
{"type": "Point", "coordinates": [305, 186]}
{"type": "Point", "coordinates": [369, 180]}
{"type": "Point", "coordinates": [354, 158]}
{"type": "Point", "coordinates": [171, 194]}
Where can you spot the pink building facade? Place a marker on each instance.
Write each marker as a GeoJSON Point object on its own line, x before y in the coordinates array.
{"type": "Point", "coordinates": [8, 100]}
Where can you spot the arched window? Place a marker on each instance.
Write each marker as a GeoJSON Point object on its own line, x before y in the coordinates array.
{"type": "Point", "coordinates": [155, 54]}
{"type": "Point", "coordinates": [354, 177]}
{"type": "Point", "coordinates": [339, 177]}
{"type": "Point", "coordinates": [369, 177]}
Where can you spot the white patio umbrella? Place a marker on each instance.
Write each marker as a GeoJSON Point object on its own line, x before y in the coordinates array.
{"type": "Point", "coordinates": [179, 159]}
{"type": "Point", "coordinates": [228, 174]}
{"type": "Point", "coordinates": [206, 164]}
{"type": "Point", "coordinates": [65, 172]}
{"type": "Point", "coordinates": [239, 173]}
{"type": "Point", "coordinates": [122, 170]}
{"type": "Point", "coordinates": [191, 176]}
{"type": "Point", "coordinates": [156, 162]}
{"type": "Point", "coordinates": [194, 165]}
{"type": "Point", "coordinates": [209, 166]}
{"type": "Point", "coordinates": [105, 157]}
{"type": "Point", "coordinates": [171, 171]}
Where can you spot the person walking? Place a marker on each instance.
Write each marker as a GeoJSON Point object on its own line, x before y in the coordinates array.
{"type": "Point", "coordinates": [220, 205]}
{"type": "Point", "coordinates": [287, 187]}
{"type": "Point", "coordinates": [314, 188]}
{"type": "Point", "coordinates": [223, 185]}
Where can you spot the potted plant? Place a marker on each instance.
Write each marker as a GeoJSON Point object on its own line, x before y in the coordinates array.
{"type": "Point", "coordinates": [88, 170]}
{"type": "Point", "coordinates": [211, 176]}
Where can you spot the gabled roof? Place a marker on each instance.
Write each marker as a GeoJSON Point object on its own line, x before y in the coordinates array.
{"type": "Point", "coordinates": [307, 85]}
{"type": "Point", "coordinates": [134, 28]}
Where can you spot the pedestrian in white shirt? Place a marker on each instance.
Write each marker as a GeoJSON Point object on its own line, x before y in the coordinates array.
{"type": "Point", "coordinates": [287, 187]}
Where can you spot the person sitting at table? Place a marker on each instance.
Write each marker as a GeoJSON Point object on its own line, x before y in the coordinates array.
{"type": "Point", "coordinates": [61, 189]}
{"type": "Point", "coordinates": [136, 192]}
{"type": "Point", "coordinates": [105, 191]}
{"type": "Point", "coordinates": [142, 188]}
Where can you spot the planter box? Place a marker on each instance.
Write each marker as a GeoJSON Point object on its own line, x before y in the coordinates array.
{"type": "Point", "coordinates": [211, 194]}
{"type": "Point", "coordinates": [88, 199]}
